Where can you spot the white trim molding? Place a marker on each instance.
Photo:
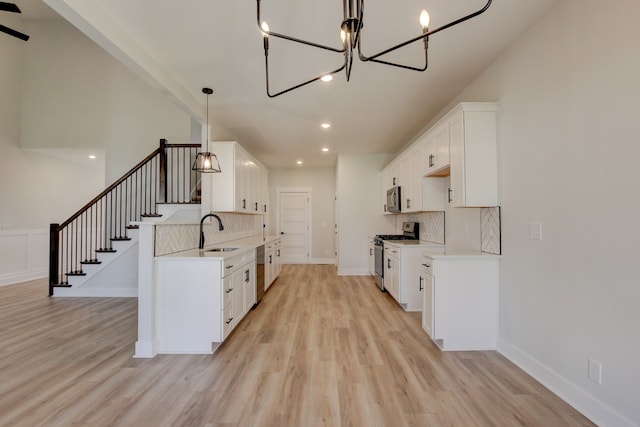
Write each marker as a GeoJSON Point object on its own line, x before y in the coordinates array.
{"type": "Point", "coordinates": [597, 411]}
{"type": "Point", "coordinates": [24, 255]}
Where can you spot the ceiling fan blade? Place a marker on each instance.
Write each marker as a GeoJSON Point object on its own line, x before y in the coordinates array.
{"type": "Point", "coordinates": [9, 7]}
{"type": "Point", "coordinates": [14, 33]}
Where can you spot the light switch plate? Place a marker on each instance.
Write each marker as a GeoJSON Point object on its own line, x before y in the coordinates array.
{"type": "Point", "coordinates": [535, 231]}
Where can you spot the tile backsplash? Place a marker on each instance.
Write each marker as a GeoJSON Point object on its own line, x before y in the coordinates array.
{"type": "Point", "coordinates": [491, 231]}
{"type": "Point", "coordinates": [431, 225]}
{"type": "Point", "coordinates": [172, 238]}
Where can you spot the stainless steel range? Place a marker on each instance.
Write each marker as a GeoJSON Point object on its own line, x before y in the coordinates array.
{"type": "Point", "coordinates": [410, 231]}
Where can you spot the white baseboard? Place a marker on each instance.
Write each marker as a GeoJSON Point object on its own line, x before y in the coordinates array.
{"type": "Point", "coordinates": [11, 279]}
{"type": "Point", "coordinates": [144, 350]}
{"type": "Point", "coordinates": [598, 412]}
{"type": "Point", "coordinates": [322, 261]}
{"type": "Point", "coordinates": [96, 292]}
{"type": "Point", "coordinates": [353, 272]}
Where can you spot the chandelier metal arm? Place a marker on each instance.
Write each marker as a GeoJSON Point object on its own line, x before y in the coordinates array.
{"type": "Point", "coordinates": [292, 39]}
{"type": "Point", "coordinates": [424, 36]}
{"type": "Point", "coordinates": [299, 85]}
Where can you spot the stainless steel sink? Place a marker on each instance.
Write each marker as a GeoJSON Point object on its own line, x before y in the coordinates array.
{"type": "Point", "coordinates": [222, 249]}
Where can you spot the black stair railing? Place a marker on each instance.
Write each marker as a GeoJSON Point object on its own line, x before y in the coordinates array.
{"type": "Point", "coordinates": [164, 176]}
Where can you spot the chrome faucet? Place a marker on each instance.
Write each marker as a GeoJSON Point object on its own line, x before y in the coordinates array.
{"type": "Point", "coordinates": [221, 227]}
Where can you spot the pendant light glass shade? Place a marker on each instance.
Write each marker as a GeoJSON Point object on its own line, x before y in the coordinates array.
{"type": "Point", "coordinates": [206, 162]}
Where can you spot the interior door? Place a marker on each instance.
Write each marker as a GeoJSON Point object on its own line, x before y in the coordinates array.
{"type": "Point", "coordinates": [294, 227]}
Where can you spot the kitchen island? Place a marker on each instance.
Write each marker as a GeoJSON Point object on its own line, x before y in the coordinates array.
{"type": "Point", "coordinates": [191, 300]}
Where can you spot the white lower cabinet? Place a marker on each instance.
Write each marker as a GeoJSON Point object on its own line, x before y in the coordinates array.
{"type": "Point", "coordinates": [460, 301]}
{"type": "Point", "coordinates": [199, 301]}
{"type": "Point", "coordinates": [272, 266]}
{"type": "Point", "coordinates": [402, 273]}
{"type": "Point", "coordinates": [372, 258]}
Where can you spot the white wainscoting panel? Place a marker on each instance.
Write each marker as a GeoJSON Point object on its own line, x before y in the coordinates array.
{"type": "Point", "coordinates": [24, 255]}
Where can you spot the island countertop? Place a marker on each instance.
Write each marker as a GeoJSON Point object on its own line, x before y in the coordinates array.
{"type": "Point", "coordinates": [241, 245]}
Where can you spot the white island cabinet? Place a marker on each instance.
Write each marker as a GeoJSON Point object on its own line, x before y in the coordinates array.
{"type": "Point", "coordinates": [200, 300]}
{"type": "Point", "coordinates": [460, 308]}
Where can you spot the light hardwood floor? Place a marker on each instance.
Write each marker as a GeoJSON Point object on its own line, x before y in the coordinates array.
{"type": "Point", "coordinates": [318, 350]}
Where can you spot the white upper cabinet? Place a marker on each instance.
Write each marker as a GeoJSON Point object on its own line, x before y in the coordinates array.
{"type": "Point", "coordinates": [435, 148]}
{"type": "Point", "coordinates": [240, 187]}
{"type": "Point", "coordinates": [473, 155]}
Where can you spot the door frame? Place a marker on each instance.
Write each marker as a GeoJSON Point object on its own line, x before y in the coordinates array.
{"type": "Point", "coordinates": [307, 191]}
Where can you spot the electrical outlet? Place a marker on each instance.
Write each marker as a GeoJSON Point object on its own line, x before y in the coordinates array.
{"type": "Point", "coordinates": [535, 231]}
{"type": "Point", "coordinates": [595, 371]}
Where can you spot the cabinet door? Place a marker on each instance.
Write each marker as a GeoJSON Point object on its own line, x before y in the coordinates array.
{"type": "Point", "coordinates": [428, 306]}
{"type": "Point", "coordinates": [392, 276]}
{"type": "Point", "coordinates": [456, 154]}
{"type": "Point", "coordinates": [249, 286]}
{"type": "Point", "coordinates": [473, 156]}
{"type": "Point", "coordinates": [237, 298]}
{"type": "Point", "coordinates": [372, 258]}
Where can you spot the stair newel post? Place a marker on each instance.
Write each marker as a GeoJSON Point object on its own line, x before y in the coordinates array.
{"type": "Point", "coordinates": [53, 256]}
{"type": "Point", "coordinates": [162, 178]}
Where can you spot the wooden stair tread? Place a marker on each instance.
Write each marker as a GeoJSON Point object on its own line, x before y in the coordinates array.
{"type": "Point", "coordinates": [91, 261]}
{"type": "Point", "coordinates": [151, 215]}
{"type": "Point", "coordinates": [120, 239]}
{"type": "Point", "coordinates": [105, 250]}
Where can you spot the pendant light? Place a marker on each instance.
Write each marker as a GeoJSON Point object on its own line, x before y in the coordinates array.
{"type": "Point", "coordinates": [206, 162]}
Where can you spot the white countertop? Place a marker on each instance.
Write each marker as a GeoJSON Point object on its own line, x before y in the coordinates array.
{"type": "Point", "coordinates": [414, 243]}
{"type": "Point", "coordinates": [242, 246]}
{"type": "Point", "coordinates": [434, 254]}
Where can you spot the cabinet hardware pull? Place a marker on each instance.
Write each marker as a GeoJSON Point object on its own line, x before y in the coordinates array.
{"type": "Point", "coordinates": [244, 203]}
{"type": "Point", "coordinates": [431, 162]}
{"type": "Point", "coordinates": [278, 252]}
{"type": "Point", "coordinates": [229, 321]}
{"type": "Point", "coordinates": [388, 263]}
{"type": "Point", "coordinates": [385, 208]}
{"type": "Point", "coordinates": [426, 265]}
{"type": "Point", "coordinates": [408, 203]}
{"type": "Point", "coordinates": [370, 252]}
{"type": "Point", "coordinates": [394, 180]}
{"type": "Point", "coordinates": [420, 284]}
{"type": "Point", "coordinates": [229, 266]}
{"type": "Point", "coordinates": [256, 206]}
{"type": "Point", "coordinates": [229, 290]}
{"type": "Point", "coordinates": [264, 208]}
{"type": "Point", "coordinates": [449, 195]}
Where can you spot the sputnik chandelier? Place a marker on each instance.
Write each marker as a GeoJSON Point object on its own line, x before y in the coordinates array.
{"type": "Point", "coordinates": [351, 35]}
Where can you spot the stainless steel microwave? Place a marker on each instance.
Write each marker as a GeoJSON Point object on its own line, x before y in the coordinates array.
{"type": "Point", "coordinates": [393, 199]}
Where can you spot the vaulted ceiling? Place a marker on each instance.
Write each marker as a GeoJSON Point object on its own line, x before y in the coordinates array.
{"type": "Point", "coordinates": [181, 46]}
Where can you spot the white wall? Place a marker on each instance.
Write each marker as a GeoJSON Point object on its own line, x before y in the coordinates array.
{"type": "Point", "coordinates": [322, 184]}
{"type": "Point", "coordinates": [568, 133]}
{"type": "Point", "coordinates": [359, 213]}
{"type": "Point", "coordinates": [61, 98]}
{"type": "Point", "coordinates": [74, 94]}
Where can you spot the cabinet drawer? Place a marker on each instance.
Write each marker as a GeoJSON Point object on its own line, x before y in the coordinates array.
{"type": "Point", "coordinates": [427, 265]}
{"type": "Point", "coordinates": [231, 264]}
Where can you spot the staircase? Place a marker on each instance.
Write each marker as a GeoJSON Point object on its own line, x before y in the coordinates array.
{"type": "Point", "coordinates": [94, 252]}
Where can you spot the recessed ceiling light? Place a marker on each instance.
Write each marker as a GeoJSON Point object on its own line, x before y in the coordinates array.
{"type": "Point", "coordinates": [299, 162]}
{"type": "Point", "coordinates": [325, 126]}
{"type": "Point", "coordinates": [327, 78]}
{"type": "Point", "coordinates": [91, 156]}
{"type": "Point", "coordinates": [325, 149]}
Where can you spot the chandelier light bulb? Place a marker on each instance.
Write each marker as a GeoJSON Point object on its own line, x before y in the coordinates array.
{"type": "Point", "coordinates": [343, 35]}
{"type": "Point", "coordinates": [265, 29]}
{"type": "Point", "coordinates": [424, 19]}
{"type": "Point", "coordinates": [327, 78]}
{"type": "Point", "coordinates": [207, 162]}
